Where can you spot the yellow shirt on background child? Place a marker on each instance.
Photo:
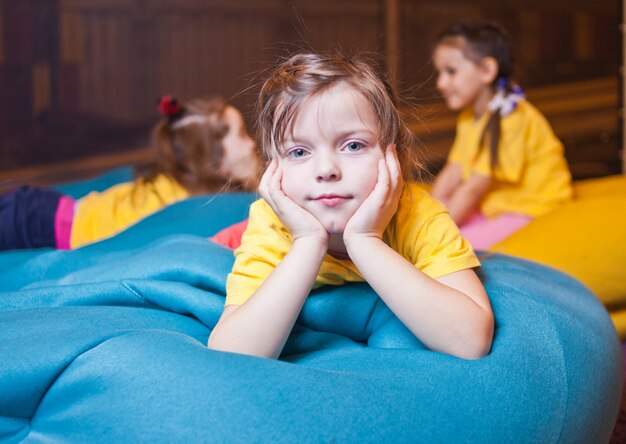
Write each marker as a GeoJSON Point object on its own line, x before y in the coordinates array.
{"type": "Point", "coordinates": [101, 215]}
{"type": "Point", "coordinates": [421, 231]}
{"type": "Point", "coordinates": [531, 176]}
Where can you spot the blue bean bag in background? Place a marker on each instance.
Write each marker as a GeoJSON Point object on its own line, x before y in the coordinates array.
{"type": "Point", "coordinates": [107, 343]}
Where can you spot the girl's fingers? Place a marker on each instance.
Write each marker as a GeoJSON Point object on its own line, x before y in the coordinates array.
{"type": "Point", "coordinates": [274, 184]}
{"type": "Point", "coordinates": [278, 200]}
{"type": "Point", "coordinates": [266, 183]}
{"type": "Point", "coordinates": [395, 172]}
{"type": "Point", "coordinates": [383, 178]}
{"type": "Point", "coordinates": [295, 218]}
{"type": "Point", "coordinates": [269, 171]}
{"type": "Point", "coordinates": [263, 181]}
{"type": "Point", "coordinates": [393, 164]}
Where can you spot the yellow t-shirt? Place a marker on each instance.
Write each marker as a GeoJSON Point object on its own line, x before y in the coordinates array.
{"type": "Point", "coordinates": [101, 215]}
{"type": "Point", "coordinates": [531, 176]}
{"type": "Point", "coordinates": [421, 231]}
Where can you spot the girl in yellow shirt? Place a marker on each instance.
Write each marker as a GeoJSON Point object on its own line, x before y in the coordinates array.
{"type": "Point", "coordinates": [335, 208]}
{"type": "Point", "coordinates": [506, 166]}
{"type": "Point", "coordinates": [198, 148]}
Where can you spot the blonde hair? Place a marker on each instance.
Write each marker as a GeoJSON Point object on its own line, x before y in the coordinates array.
{"type": "Point", "coordinates": [189, 149]}
{"type": "Point", "coordinates": [306, 74]}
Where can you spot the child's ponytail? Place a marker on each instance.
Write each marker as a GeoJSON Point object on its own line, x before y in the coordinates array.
{"type": "Point", "coordinates": [503, 103]}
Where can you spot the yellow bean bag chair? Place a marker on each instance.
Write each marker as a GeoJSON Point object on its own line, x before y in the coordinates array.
{"type": "Point", "coordinates": [585, 238]}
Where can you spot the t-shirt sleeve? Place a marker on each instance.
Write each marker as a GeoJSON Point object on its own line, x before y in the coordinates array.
{"type": "Point", "coordinates": [263, 245]}
{"type": "Point", "coordinates": [441, 249]}
{"type": "Point", "coordinates": [428, 237]}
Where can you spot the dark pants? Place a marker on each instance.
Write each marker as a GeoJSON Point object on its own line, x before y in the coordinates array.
{"type": "Point", "coordinates": [27, 218]}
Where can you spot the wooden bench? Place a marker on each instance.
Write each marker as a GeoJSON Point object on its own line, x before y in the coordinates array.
{"type": "Point", "coordinates": [84, 168]}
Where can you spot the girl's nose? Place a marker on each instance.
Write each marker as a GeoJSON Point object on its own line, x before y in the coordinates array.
{"type": "Point", "coordinates": [328, 169]}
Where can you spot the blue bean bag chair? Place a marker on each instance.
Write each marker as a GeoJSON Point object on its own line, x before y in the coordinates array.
{"type": "Point", "coordinates": [107, 343]}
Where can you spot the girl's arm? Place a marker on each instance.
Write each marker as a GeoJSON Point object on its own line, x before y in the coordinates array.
{"type": "Point", "coordinates": [261, 325]}
{"type": "Point", "coordinates": [451, 314]}
{"type": "Point", "coordinates": [447, 181]}
{"type": "Point", "coordinates": [466, 198]}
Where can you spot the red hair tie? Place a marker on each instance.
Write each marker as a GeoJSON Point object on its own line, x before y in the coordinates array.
{"type": "Point", "coordinates": [170, 108]}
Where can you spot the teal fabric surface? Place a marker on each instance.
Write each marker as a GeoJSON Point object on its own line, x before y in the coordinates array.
{"type": "Point", "coordinates": [107, 344]}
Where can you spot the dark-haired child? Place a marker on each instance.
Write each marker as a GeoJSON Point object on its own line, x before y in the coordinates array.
{"type": "Point", "coordinates": [506, 166]}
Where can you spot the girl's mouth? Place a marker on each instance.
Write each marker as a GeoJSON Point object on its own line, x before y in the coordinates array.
{"type": "Point", "coordinates": [331, 200]}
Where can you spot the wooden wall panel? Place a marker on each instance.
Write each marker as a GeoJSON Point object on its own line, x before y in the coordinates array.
{"type": "Point", "coordinates": [129, 55]}
{"type": "Point", "coordinates": [100, 47]}
{"type": "Point", "coordinates": [98, 66]}
{"type": "Point", "coordinates": [2, 44]}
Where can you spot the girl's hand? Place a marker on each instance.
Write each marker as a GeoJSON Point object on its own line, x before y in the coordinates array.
{"type": "Point", "coordinates": [376, 211]}
{"type": "Point", "coordinates": [299, 222]}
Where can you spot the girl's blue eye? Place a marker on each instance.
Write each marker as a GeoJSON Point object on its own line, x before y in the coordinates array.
{"type": "Point", "coordinates": [297, 153]}
{"type": "Point", "coordinates": [354, 146]}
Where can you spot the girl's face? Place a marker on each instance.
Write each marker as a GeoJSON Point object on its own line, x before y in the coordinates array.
{"type": "Point", "coordinates": [240, 160]}
{"type": "Point", "coordinates": [329, 161]}
{"type": "Point", "coordinates": [461, 81]}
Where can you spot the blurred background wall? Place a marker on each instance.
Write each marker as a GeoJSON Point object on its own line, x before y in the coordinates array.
{"type": "Point", "coordinates": [79, 79]}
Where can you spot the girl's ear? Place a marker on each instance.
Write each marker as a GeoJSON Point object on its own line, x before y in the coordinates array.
{"type": "Point", "coordinates": [489, 70]}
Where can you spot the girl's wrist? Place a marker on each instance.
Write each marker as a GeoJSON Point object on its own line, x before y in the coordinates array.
{"type": "Point", "coordinates": [356, 242]}
{"type": "Point", "coordinates": [315, 242]}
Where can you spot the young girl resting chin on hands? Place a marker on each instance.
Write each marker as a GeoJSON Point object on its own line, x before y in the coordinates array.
{"type": "Point", "coordinates": [335, 208]}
